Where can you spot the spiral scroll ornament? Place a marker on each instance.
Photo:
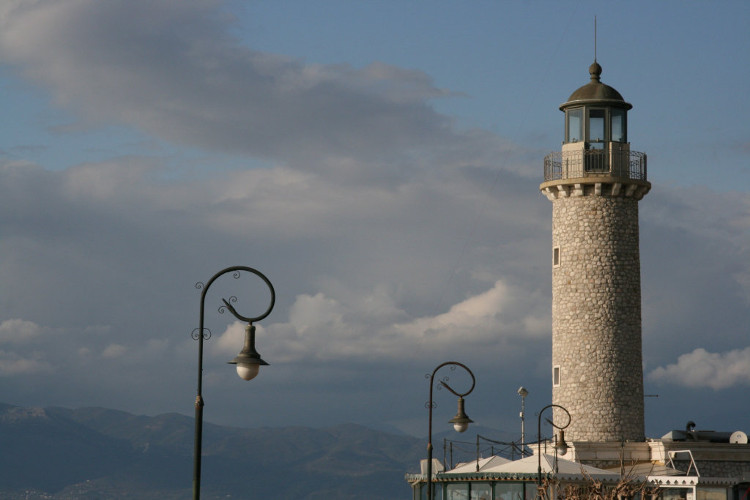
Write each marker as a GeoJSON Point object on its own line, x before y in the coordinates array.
{"type": "Point", "coordinates": [231, 300]}
{"type": "Point", "coordinates": [196, 334]}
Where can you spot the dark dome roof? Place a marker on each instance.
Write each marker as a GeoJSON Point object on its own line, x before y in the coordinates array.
{"type": "Point", "coordinates": [596, 91]}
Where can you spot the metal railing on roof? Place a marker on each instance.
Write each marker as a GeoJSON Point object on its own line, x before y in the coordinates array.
{"type": "Point", "coordinates": [561, 165]}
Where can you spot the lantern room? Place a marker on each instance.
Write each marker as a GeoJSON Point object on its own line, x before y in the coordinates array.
{"type": "Point", "coordinates": [595, 114]}
{"type": "Point", "coordinates": [596, 136]}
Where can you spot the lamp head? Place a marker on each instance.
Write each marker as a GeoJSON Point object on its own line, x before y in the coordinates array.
{"type": "Point", "coordinates": [248, 361]}
{"type": "Point", "coordinates": [461, 421]}
{"type": "Point", "coordinates": [561, 446]}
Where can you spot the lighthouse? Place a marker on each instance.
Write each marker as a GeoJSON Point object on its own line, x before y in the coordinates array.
{"type": "Point", "coordinates": [595, 183]}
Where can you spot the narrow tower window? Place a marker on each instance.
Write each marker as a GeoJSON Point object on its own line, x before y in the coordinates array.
{"type": "Point", "coordinates": [556, 376]}
{"type": "Point", "coordinates": [556, 256]}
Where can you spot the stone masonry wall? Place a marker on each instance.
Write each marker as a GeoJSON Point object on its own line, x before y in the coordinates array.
{"type": "Point", "coordinates": [596, 316]}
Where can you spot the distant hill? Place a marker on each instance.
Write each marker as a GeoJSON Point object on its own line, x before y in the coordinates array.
{"type": "Point", "coordinates": [96, 453]}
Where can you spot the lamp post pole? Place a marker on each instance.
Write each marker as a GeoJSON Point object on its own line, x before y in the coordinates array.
{"type": "Point", "coordinates": [560, 446]}
{"type": "Point", "coordinates": [460, 422]}
{"type": "Point", "coordinates": [523, 393]}
{"type": "Point", "coordinates": [248, 361]}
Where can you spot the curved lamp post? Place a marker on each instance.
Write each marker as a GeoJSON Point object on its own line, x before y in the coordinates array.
{"type": "Point", "coordinates": [460, 422]}
{"type": "Point", "coordinates": [248, 361]}
{"type": "Point", "coordinates": [561, 446]}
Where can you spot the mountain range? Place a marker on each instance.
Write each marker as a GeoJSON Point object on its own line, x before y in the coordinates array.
{"type": "Point", "coordinates": [96, 453]}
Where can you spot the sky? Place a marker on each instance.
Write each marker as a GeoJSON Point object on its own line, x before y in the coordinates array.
{"type": "Point", "coordinates": [379, 162]}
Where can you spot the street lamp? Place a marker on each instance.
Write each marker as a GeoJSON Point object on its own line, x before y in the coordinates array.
{"type": "Point", "coordinates": [560, 446]}
{"type": "Point", "coordinates": [248, 361]}
{"type": "Point", "coordinates": [523, 393]}
{"type": "Point", "coordinates": [460, 422]}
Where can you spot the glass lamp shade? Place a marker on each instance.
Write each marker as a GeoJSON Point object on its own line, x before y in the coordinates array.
{"type": "Point", "coordinates": [461, 426]}
{"type": "Point", "coordinates": [248, 371]}
{"type": "Point", "coordinates": [561, 446]}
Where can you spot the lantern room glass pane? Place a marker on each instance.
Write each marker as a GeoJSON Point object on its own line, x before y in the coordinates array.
{"type": "Point", "coordinates": [596, 125]}
{"type": "Point", "coordinates": [574, 125]}
{"type": "Point", "coordinates": [618, 125]}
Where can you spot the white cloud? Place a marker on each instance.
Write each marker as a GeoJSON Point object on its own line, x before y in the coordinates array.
{"type": "Point", "coordinates": [372, 327]}
{"type": "Point", "coordinates": [230, 342]}
{"type": "Point", "coordinates": [476, 316]}
{"type": "Point", "coordinates": [701, 368]}
{"type": "Point", "coordinates": [14, 331]}
{"type": "Point", "coordinates": [12, 364]}
{"type": "Point", "coordinates": [32, 347]}
{"type": "Point", "coordinates": [312, 314]}
{"type": "Point", "coordinates": [114, 351]}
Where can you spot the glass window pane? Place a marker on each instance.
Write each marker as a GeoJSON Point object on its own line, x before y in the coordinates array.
{"type": "Point", "coordinates": [480, 491]}
{"type": "Point", "coordinates": [509, 491]}
{"type": "Point", "coordinates": [437, 491]}
{"type": "Point", "coordinates": [458, 491]}
{"type": "Point", "coordinates": [573, 129]}
{"type": "Point", "coordinates": [711, 493]}
{"type": "Point", "coordinates": [674, 494]}
{"type": "Point", "coordinates": [618, 125]}
{"type": "Point", "coordinates": [596, 125]}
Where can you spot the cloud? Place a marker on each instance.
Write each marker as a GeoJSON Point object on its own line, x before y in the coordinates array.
{"type": "Point", "coordinates": [171, 69]}
{"type": "Point", "coordinates": [486, 316]}
{"type": "Point", "coordinates": [372, 327]}
{"type": "Point", "coordinates": [13, 331]}
{"type": "Point", "coordinates": [701, 368]}
{"type": "Point", "coordinates": [23, 355]}
{"type": "Point", "coordinates": [393, 238]}
{"type": "Point", "coordinates": [12, 364]}
{"type": "Point", "coordinates": [114, 351]}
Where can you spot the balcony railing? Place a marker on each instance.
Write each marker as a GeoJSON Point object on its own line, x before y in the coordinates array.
{"type": "Point", "coordinates": [561, 165]}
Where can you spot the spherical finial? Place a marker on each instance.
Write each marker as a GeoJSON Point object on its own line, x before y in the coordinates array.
{"type": "Point", "coordinates": [595, 71]}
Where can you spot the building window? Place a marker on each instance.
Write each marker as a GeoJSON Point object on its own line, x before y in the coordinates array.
{"type": "Point", "coordinates": [556, 256]}
{"type": "Point", "coordinates": [457, 491]}
{"type": "Point", "coordinates": [705, 493]}
{"type": "Point", "coordinates": [556, 376]}
{"type": "Point", "coordinates": [505, 490]}
{"type": "Point", "coordinates": [421, 492]}
{"type": "Point", "coordinates": [675, 493]}
{"type": "Point", "coordinates": [480, 491]}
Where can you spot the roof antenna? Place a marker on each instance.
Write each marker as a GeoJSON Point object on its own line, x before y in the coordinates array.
{"type": "Point", "coordinates": [594, 38]}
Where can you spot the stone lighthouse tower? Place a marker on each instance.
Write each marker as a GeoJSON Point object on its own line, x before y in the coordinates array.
{"type": "Point", "coordinates": [595, 184]}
